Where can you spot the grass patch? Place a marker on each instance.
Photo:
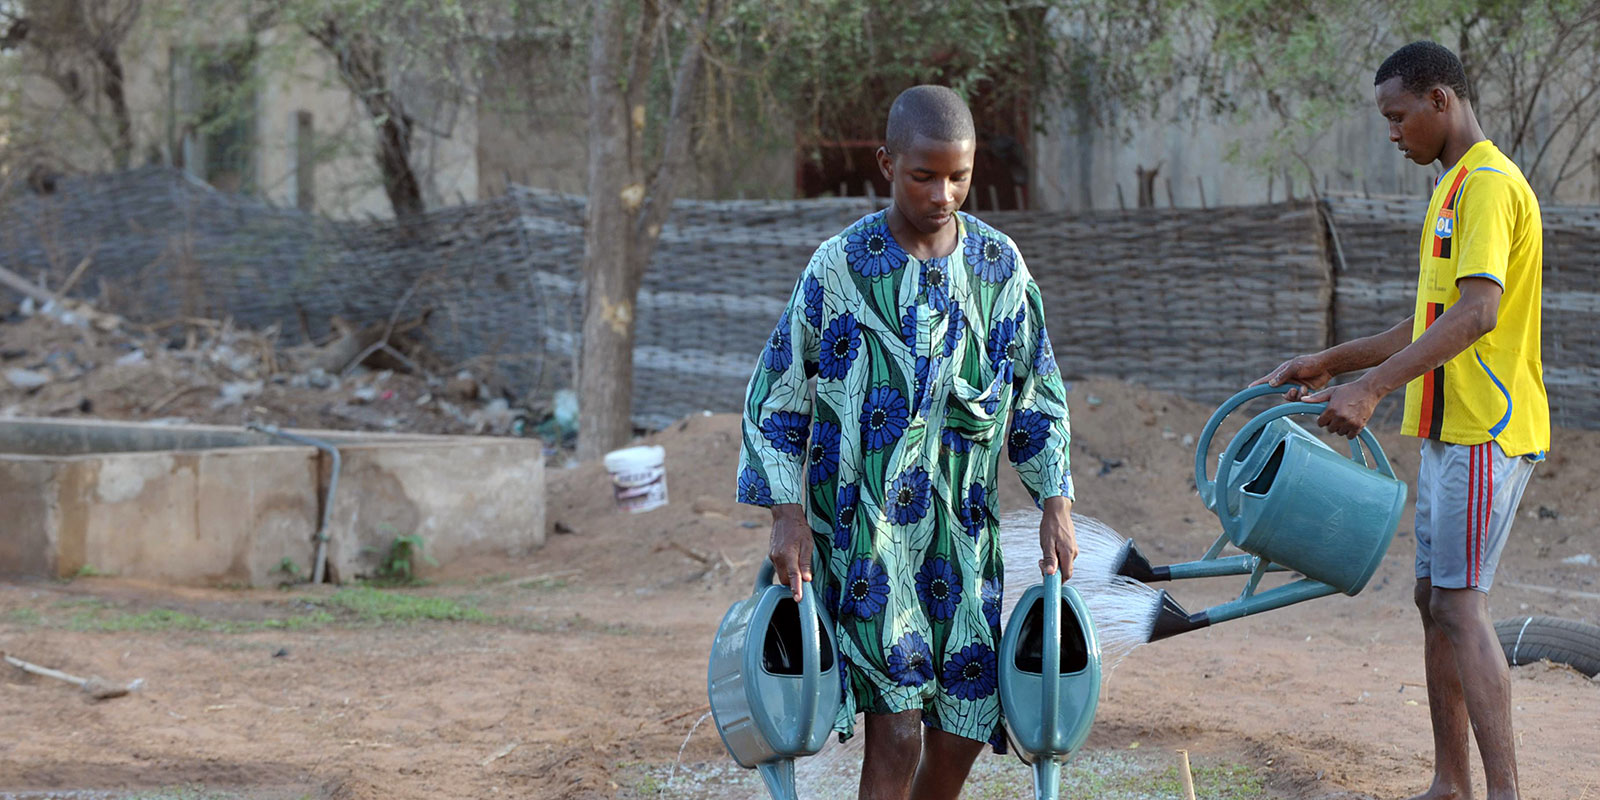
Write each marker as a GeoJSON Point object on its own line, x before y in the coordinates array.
{"type": "Point", "coordinates": [164, 619]}
{"type": "Point", "coordinates": [24, 616]}
{"type": "Point", "coordinates": [360, 604]}
{"type": "Point", "coordinates": [374, 605]}
{"type": "Point", "coordinates": [1224, 782]}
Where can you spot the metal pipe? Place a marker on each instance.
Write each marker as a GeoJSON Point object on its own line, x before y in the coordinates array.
{"type": "Point", "coordinates": [319, 565]}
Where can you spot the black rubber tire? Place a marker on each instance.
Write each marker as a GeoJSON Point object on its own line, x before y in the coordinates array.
{"type": "Point", "coordinates": [1526, 640]}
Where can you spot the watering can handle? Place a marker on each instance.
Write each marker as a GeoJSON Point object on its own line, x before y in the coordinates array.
{"type": "Point", "coordinates": [765, 574]}
{"type": "Point", "coordinates": [811, 653]}
{"type": "Point", "coordinates": [1202, 448]}
{"type": "Point", "coordinates": [811, 659]}
{"type": "Point", "coordinates": [1230, 520]}
{"type": "Point", "coordinates": [1051, 690]}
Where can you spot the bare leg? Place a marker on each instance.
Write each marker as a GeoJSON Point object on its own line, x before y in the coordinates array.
{"type": "Point", "coordinates": [1452, 777]}
{"type": "Point", "coordinates": [1485, 681]}
{"type": "Point", "coordinates": [894, 745]}
{"type": "Point", "coordinates": [946, 760]}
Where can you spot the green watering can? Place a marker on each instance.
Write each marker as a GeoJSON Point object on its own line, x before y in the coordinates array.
{"type": "Point", "coordinates": [1290, 502]}
{"type": "Point", "coordinates": [773, 681]}
{"type": "Point", "coordinates": [1049, 679]}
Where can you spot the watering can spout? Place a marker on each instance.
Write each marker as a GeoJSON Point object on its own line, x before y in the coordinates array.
{"type": "Point", "coordinates": [1172, 619]}
{"type": "Point", "coordinates": [1134, 564]}
{"type": "Point", "coordinates": [778, 775]}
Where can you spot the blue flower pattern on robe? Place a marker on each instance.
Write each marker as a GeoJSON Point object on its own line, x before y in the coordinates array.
{"type": "Point", "coordinates": [974, 511]}
{"type": "Point", "coordinates": [954, 441]}
{"type": "Point", "coordinates": [778, 353]}
{"type": "Point", "coordinates": [910, 660]}
{"type": "Point", "coordinates": [1001, 337]}
{"type": "Point", "coordinates": [813, 292]}
{"type": "Point", "coordinates": [845, 517]}
{"type": "Point", "coordinates": [824, 452]}
{"type": "Point", "coordinates": [956, 328]}
{"type": "Point", "coordinates": [839, 345]}
{"type": "Point", "coordinates": [910, 496]}
{"type": "Point", "coordinates": [1044, 356]}
{"type": "Point", "coordinates": [908, 328]}
{"type": "Point", "coordinates": [992, 601]}
{"type": "Point", "coordinates": [971, 673]}
{"type": "Point", "coordinates": [883, 417]}
{"type": "Point", "coordinates": [990, 258]}
{"type": "Point", "coordinates": [939, 588]}
{"type": "Point", "coordinates": [866, 590]}
{"type": "Point", "coordinates": [1030, 430]}
{"type": "Point", "coordinates": [894, 495]}
{"type": "Point", "coordinates": [872, 252]}
{"type": "Point", "coordinates": [786, 430]}
{"type": "Point", "coordinates": [920, 395]}
{"type": "Point", "coordinates": [753, 488]}
{"type": "Point", "coordinates": [936, 282]}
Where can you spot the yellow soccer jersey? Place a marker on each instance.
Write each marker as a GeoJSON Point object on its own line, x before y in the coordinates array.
{"type": "Point", "coordinates": [1483, 222]}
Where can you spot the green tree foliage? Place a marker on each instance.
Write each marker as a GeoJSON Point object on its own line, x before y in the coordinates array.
{"type": "Point", "coordinates": [1309, 64]}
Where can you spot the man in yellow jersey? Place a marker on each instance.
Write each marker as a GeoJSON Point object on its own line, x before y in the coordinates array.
{"type": "Point", "coordinates": [1469, 359]}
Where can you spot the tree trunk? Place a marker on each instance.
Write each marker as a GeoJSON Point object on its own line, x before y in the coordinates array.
{"type": "Point", "coordinates": [624, 216]}
{"type": "Point", "coordinates": [361, 68]}
{"type": "Point", "coordinates": [122, 141]}
{"type": "Point", "coordinates": [394, 162]}
{"type": "Point", "coordinates": [605, 379]}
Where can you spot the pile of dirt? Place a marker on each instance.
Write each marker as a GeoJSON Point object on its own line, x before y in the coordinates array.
{"type": "Point", "coordinates": [1133, 453]}
{"type": "Point", "coordinates": [66, 364]}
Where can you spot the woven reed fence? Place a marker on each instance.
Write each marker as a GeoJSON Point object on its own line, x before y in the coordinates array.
{"type": "Point", "coordinates": [1192, 301]}
{"type": "Point", "coordinates": [1375, 278]}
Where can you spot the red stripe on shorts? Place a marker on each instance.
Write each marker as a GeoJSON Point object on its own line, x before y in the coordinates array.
{"type": "Point", "coordinates": [1488, 499]}
{"type": "Point", "coordinates": [1474, 486]}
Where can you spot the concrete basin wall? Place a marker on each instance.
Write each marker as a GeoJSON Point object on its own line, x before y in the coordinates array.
{"type": "Point", "coordinates": [212, 505]}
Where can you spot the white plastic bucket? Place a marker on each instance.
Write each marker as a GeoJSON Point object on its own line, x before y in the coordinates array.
{"type": "Point", "coordinates": [638, 477]}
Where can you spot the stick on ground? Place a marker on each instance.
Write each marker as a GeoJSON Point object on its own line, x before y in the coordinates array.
{"type": "Point", "coordinates": [1186, 776]}
{"type": "Point", "coordinates": [94, 686]}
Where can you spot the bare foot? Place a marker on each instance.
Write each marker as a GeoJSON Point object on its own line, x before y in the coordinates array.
{"type": "Point", "coordinates": [1442, 791]}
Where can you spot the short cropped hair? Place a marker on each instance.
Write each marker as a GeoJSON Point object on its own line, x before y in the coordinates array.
{"type": "Point", "coordinates": [935, 112]}
{"type": "Point", "coordinates": [1420, 66]}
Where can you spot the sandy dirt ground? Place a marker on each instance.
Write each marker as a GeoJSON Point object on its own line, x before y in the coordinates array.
{"type": "Point", "coordinates": [586, 666]}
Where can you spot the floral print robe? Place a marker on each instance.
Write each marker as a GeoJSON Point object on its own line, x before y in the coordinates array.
{"type": "Point", "coordinates": [922, 369]}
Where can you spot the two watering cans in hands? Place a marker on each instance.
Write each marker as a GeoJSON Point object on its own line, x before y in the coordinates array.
{"type": "Point", "coordinates": [1285, 498]}
{"type": "Point", "coordinates": [1290, 502]}
{"type": "Point", "coordinates": [775, 688]}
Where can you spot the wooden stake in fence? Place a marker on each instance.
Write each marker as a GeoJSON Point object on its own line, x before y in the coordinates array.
{"type": "Point", "coordinates": [1200, 182]}
{"type": "Point", "coordinates": [1170, 202]}
{"type": "Point", "coordinates": [1121, 203]}
{"type": "Point", "coordinates": [1185, 775]}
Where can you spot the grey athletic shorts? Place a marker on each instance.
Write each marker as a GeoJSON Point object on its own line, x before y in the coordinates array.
{"type": "Point", "coordinates": [1467, 497]}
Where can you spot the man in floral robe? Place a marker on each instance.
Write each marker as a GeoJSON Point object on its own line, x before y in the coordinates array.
{"type": "Point", "coordinates": [925, 337]}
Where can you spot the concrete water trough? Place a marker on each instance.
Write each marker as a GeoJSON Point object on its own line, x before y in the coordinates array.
{"type": "Point", "coordinates": [213, 505]}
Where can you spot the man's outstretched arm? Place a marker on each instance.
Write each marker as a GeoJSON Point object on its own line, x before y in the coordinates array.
{"type": "Point", "coordinates": [1475, 314]}
{"type": "Point", "coordinates": [1314, 370]}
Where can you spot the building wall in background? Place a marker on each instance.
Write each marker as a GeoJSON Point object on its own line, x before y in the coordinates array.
{"type": "Point", "coordinates": [295, 76]}
{"type": "Point", "coordinates": [1080, 170]}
